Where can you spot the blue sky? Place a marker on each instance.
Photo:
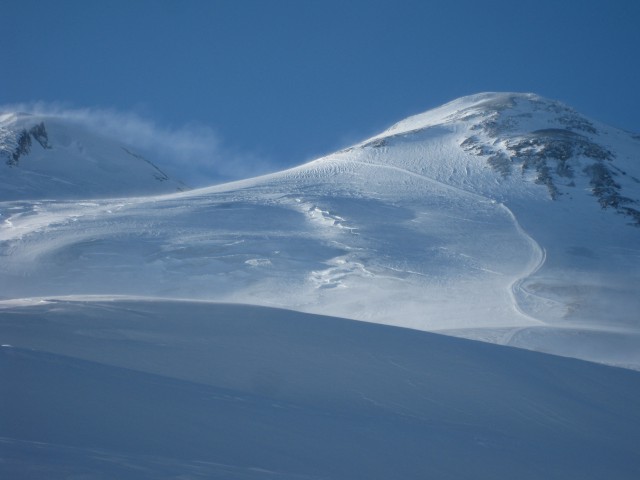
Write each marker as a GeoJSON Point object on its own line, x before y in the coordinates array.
{"type": "Point", "coordinates": [275, 83]}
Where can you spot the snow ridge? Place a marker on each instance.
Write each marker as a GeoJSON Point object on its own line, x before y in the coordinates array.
{"type": "Point", "coordinates": [544, 141]}
{"type": "Point", "coordinates": [178, 335]}
{"type": "Point", "coordinates": [417, 227]}
{"type": "Point", "coordinates": [46, 157]}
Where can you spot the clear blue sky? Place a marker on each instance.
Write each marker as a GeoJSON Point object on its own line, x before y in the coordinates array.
{"type": "Point", "coordinates": [288, 80]}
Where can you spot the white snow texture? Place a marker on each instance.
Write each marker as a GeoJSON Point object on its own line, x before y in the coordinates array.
{"type": "Point", "coordinates": [137, 342]}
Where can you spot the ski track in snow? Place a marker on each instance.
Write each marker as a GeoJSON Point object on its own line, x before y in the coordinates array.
{"type": "Point", "coordinates": [537, 261]}
{"type": "Point", "coordinates": [409, 228]}
{"type": "Point", "coordinates": [339, 269]}
{"type": "Point", "coordinates": [129, 350]}
{"type": "Point", "coordinates": [538, 256]}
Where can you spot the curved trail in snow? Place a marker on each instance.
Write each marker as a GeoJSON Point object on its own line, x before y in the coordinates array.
{"type": "Point", "coordinates": [516, 290]}
{"type": "Point", "coordinates": [534, 266]}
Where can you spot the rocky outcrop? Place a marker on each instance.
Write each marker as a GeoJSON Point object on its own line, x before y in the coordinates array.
{"type": "Point", "coordinates": [555, 155]}
{"type": "Point", "coordinates": [18, 144]}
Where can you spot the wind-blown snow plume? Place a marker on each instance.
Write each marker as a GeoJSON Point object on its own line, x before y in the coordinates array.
{"type": "Point", "coordinates": [130, 306]}
{"type": "Point", "coordinates": [193, 152]}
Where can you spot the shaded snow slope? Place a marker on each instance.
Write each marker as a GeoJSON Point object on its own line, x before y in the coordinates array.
{"type": "Point", "coordinates": [480, 219]}
{"type": "Point", "coordinates": [135, 389]}
{"type": "Point", "coordinates": [47, 157]}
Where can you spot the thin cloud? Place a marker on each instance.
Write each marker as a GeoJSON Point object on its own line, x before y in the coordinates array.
{"type": "Point", "coordinates": [193, 153]}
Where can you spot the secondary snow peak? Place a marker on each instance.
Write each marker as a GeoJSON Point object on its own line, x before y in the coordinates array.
{"type": "Point", "coordinates": [501, 217]}
{"type": "Point", "coordinates": [47, 157]}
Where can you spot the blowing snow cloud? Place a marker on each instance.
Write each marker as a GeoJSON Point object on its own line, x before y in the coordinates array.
{"type": "Point", "coordinates": [193, 153]}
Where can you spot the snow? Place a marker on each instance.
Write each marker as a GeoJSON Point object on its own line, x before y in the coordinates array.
{"type": "Point", "coordinates": [414, 231]}
{"type": "Point", "coordinates": [131, 388]}
{"type": "Point", "coordinates": [172, 334]}
{"type": "Point", "coordinates": [74, 163]}
{"type": "Point", "coordinates": [383, 250]}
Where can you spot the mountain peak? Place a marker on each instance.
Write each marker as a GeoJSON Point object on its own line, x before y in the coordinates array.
{"type": "Point", "coordinates": [523, 138]}
{"type": "Point", "coordinates": [503, 217]}
{"type": "Point", "coordinates": [482, 105]}
{"type": "Point", "coordinates": [47, 157]}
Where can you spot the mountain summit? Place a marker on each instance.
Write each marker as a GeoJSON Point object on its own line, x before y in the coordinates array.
{"type": "Point", "coordinates": [47, 157]}
{"type": "Point", "coordinates": [527, 138]}
{"type": "Point", "coordinates": [500, 217]}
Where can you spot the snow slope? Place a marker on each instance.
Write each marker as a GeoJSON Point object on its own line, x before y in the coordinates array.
{"type": "Point", "coordinates": [507, 218]}
{"type": "Point", "coordinates": [47, 157]}
{"type": "Point", "coordinates": [153, 389]}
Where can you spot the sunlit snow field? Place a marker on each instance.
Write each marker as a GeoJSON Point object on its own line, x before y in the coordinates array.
{"type": "Point", "coordinates": [209, 333]}
{"type": "Point", "coordinates": [405, 229]}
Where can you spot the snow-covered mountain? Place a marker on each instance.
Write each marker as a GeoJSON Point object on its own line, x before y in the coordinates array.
{"type": "Point", "coordinates": [524, 137]}
{"type": "Point", "coordinates": [503, 217]}
{"type": "Point", "coordinates": [47, 157]}
{"type": "Point", "coordinates": [506, 218]}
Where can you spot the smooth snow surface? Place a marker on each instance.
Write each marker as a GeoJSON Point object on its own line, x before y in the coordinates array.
{"type": "Point", "coordinates": [445, 222]}
{"type": "Point", "coordinates": [151, 389]}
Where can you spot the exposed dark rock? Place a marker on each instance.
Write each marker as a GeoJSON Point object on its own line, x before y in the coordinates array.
{"type": "Point", "coordinates": [576, 122]}
{"type": "Point", "coordinates": [604, 186]}
{"type": "Point", "coordinates": [495, 128]}
{"type": "Point", "coordinates": [551, 153]}
{"type": "Point", "coordinates": [39, 133]}
{"type": "Point", "coordinates": [475, 146]}
{"type": "Point", "coordinates": [631, 212]}
{"type": "Point", "coordinates": [23, 147]}
{"type": "Point", "coordinates": [501, 163]}
{"type": "Point", "coordinates": [558, 144]}
{"type": "Point", "coordinates": [381, 142]}
{"type": "Point", "coordinates": [607, 191]}
{"type": "Point", "coordinates": [544, 178]}
{"type": "Point", "coordinates": [158, 174]}
{"type": "Point", "coordinates": [23, 143]}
